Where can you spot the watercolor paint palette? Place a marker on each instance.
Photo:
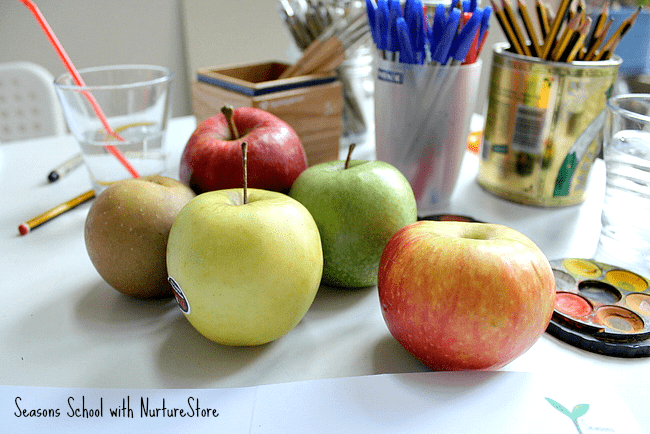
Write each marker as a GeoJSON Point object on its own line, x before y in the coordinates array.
{"type": "Point", "coordinates": [601, 308]}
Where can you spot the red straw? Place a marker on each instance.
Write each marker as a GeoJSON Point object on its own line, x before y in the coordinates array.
{"type": "Point", "coordinates": [77, 78]}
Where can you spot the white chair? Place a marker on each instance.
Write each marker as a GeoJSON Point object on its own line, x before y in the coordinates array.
{"type": "Point", "coordinates": [29, 106]}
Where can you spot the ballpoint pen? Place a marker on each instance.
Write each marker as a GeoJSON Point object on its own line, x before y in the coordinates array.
{"type": "Point", "coordinates": [65, 168]}
{"type": "Point", "coordinates": [406, 53]}
{"type": "Point", "coordinates": [371, 10]}
{"type": "Point", "coordinates": [437, 26]}
{"type": "Point", "coordinates": [414, 16]}
{"type": "Point", "coordinates": [394, 11]}
{"type": "Point", "coordinates": [381, 23]}
{"type": "Point", "coordinates": [451, 26]}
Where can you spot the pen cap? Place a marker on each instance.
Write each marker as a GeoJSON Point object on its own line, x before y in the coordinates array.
{"type": "Point", "coordinates": [437, 26]}
{"type": "Point", "coordinates": [463, 40]}
{"type": "Point", "coordinates": [394, 12]}
{"type": "Point", "coordinates": [381, 23]}
{"type": "Point", "coordinates": [406, 53]}
{"type": "Point", "coordinates": [371, 10]}
{"type": "Point", "coordinates": [442, 50]}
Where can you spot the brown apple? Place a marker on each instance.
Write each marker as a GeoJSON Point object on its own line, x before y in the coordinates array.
{"type": "Point", "coordinates": [126, 233]}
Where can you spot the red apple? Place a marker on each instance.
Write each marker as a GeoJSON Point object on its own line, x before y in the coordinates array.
{"type": "Point", "coordinates": [465, 296]}
{"type": "Point", "coordinates": [212, 157]}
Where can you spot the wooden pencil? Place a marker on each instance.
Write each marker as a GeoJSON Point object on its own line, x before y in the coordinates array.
{"type": "Point", "coordinates": [509, 15]}
{"type": "Point", "coordinates": [542, 17]}
{"type": "Point", "coordinates": [562, 11]}
{"type": "Point", "coordinates": [565, 39]}
{"type": "Point", "coordinates": [48, 215]}
{"type": "Point", "coordinates": [598, 25]}
{"type": "Point", "coordinates": [598, 40]}
{"type": "Point", "coordinates": [572, 50]}
{"type": "Point", "coordinates": [507, 30]}
{"type": "Point", "coordinates": [616, 37]}
{"type": "Point", "coordinates": [530, 28]}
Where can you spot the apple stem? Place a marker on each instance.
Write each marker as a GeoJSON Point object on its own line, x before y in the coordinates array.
{"type": "Point", "coordinates": [244, 153]}
{"type": "Point", "coordinates": [228, 112]}
{"type": "Point", "coordinates": [347, 160]}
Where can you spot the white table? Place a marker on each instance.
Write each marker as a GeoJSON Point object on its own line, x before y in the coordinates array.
{"type": "Point", "coordinates": [62, 326]}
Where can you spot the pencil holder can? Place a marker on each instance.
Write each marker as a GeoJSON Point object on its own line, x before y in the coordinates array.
{"type": "Point", "coordinates": [422, 120]}
{"type": "Point", "coordinates": [543, 127]}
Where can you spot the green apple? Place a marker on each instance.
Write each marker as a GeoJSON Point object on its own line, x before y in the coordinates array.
{"type": "Point", "coordinates": [358, 205]}
{"type": "Point", "coordinates": [245, 264]}
{"type": "Point", "coordinates": [126, 233]}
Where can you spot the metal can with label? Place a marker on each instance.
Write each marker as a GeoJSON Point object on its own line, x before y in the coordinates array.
{"type": "Point", "coordinates": [543, 127]}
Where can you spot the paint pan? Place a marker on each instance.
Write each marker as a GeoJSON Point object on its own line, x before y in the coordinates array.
{"type": "Point", "coordinates": [601, 308]}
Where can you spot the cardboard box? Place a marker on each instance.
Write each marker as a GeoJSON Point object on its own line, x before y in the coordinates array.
{"type": "Point", "coordinates": [311, 104]}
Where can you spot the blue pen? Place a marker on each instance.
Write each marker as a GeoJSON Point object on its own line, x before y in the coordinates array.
{"type": "Point", "coordinates": [451, 26]}
{"type": "Point", "coordinates": [462, 42]}
{"type": "Point", "coordinates": [485, 23]}
{"type": "Point", "coordinates": [406, 53]}
{"type": "Point", "coordinates": [381, 23]}
{"type": "Point", "coordinates": [371, 11]}
{"type": "Point", "coordinates": [414, 17]}
{"type": "Point", "coordinates": [437, 27]}
{"type": "Point", "coordinates": [472, 5]}
{"type": "Point", "coordinates": [394, 11]}
{"type": "Point", "coordinates": [421, 34]}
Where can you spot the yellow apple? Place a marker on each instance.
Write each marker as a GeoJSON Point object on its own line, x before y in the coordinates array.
{"type": "Point", "coordinates": [244, 272]}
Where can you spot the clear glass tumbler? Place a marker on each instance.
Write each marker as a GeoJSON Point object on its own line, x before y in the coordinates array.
{"type": "Point", "coordinates": [625, 234]}
{"type": "Point", "coordinates": [119, 114]}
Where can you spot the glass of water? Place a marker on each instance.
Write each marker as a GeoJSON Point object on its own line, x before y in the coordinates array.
{"type": "Point", "coordinates": [134, 100]}
{"type": "Point", "coordinates": [625, 234]}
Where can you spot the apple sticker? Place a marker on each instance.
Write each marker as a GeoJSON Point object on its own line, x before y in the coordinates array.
{"type": "Point", "coordinates": [179, 296]}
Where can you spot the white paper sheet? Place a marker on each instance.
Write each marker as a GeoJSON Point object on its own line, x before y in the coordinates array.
{"type": "Point", "coordinates": [465, 402]}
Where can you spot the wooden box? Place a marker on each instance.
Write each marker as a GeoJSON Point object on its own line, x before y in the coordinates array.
{"type": "Point", "coordinates": [311, 104]}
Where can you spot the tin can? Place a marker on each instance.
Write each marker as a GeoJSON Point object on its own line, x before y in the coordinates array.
{"type": "Point", "coordinates": [543, 127]}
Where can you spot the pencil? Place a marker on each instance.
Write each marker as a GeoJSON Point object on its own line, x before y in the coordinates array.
{"type": "Point", "coordinates": [542, 17]}
{"type": "Point", "coordinates": [598, 25]}
{"type": "Point", "coordinates": [613, 41]}
{"type": "Point", "coordinates": [507, 30]}
{"type": "Point", "coordinates": [555, 28]}
{"type": "Point", "coordinates": [512, 20]}
{"type": "Point", "coordinates": [26, 227]}
{"type": "Point", "coordinates": [598, 40]}
{"type": "Point", "coordinates": [579, 42]}
{"type": "Point", "coordinates": [528, 25]}
{"type": "Point", "coordinates": [566, 38]}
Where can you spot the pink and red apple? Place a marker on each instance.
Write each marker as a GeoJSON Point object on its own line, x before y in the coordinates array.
{"type": "Point", "coordinates": [211, 159]}
{"type": "Point", "coordinates": [465, 296]}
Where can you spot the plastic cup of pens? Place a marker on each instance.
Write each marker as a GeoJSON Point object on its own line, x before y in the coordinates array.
{"type": "Point", "coordinates": [134, 102]}
{"type": "Point", "coordinates": [426, 83]}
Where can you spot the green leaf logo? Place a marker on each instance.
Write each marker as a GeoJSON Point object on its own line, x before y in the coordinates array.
{"type": "Point", "coordinates": [578, 411]}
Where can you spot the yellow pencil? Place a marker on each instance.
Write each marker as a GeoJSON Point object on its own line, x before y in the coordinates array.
{"type": "Point", "coordinates": [542, 17]}
{"type": "Point", "coordinates": [512, 20]}
{"type": "Point", "coordinates": [507, 30]}
{"type": "Point", "coordinates": [613, 41]}
{"type": "Point", "coordinates": [598, 40]}
{"type": "Point", "coordinates": [528, 25]}
{"type": "Point", "coordinates": [579, 43]}
{"type": "Point", "coordinates": [26, 227]}
{"type": "Point", "coordinates": [555, 28]}
{"type": "Point", "coordinates": [565, 38]}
